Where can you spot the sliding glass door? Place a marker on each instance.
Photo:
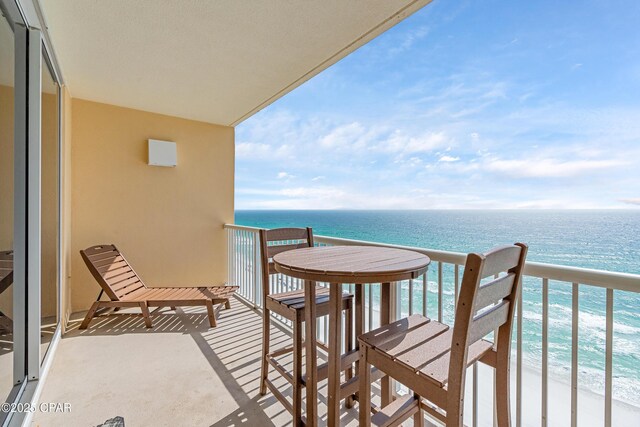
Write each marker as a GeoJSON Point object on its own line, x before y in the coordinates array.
{"type": "Point", "coordinates": [7, 90]}
{"type": "Point", "coordinates": [29, 207]}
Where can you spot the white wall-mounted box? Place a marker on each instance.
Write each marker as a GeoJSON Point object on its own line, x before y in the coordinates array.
{"type": "Point", "coordinates": [162, 153]}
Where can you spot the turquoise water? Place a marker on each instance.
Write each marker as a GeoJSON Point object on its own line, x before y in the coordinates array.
{"type": "Point", "coordinates": [600, 239]}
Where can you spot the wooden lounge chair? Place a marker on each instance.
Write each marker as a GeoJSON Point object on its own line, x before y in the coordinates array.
{"type": "Point", "coordinates": [126, 289]}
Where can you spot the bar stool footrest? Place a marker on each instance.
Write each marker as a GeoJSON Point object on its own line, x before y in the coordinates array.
{"type": "Point", "coordinates": [396, 412]}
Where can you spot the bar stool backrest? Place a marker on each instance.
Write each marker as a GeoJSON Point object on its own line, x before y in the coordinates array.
{"type": "Point", "coordinates": [275, 241]}
{"type": "Point", "coordinates": [486, 303]}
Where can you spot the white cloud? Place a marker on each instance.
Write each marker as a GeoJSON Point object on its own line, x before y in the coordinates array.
{"type": "Point", "coordinates": [409, 39]}
{"type": "Point", "coordinates": [343, 136]}
{"type": "Point", "coordinates": [547, 168]}
{"type": "Point", "coordinates": [311, 192]}
{"type": "Point", "coordinates": [258, 150]}
{"type": "Point", "coordinates": [563, 203]}
{"type": "Point", "coordinates": [285, 175]}
{"type": "Point", "coordinates": [320, 197]}
{"type": "Point", "coordinates": [401, 142]}
{"type": "Point", "coordinates": [448, 159]}
{"type": "Point", "coordinates": [436, 141]}
{"type": "Point", "coordinates": [251, 149]}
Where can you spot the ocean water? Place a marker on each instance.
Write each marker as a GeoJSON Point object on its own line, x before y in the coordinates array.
{"type": "Point", "coordinates": [599, 239]}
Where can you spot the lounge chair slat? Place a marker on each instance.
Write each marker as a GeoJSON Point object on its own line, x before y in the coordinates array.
{"type": "Point", "coordinates": [107, 261]}
{"type": "Point", "coordinates": [125, 288]}
{"type": "Point", "coordinates": [99, 249]}
{"type": "Point", "coordinates": [127, 280]}
{"type": "Point", "coordinates": [133, 293]}
{"type": "Point", "coordinates": [114, 265]}
{"type": "Point", "coordinates": [176, 294]}
{"type": "Point", "coordinates": [103, 256]}
{"type": "Point", "coordinates": [115, 273]}
{"type": "Point", "coordinates": [101, 262]}
{"type": "Point", "coordinates": [126, 292]}
{"type": "Point", "coordinates": [161, 293]}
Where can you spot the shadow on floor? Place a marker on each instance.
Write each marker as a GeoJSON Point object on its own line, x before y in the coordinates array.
{"type": "Point", "coordinates": [232, 350]}
{"type": "Point", "coordinates": [130, 322]}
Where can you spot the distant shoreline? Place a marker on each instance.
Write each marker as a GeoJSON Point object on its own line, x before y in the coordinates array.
{"type": "Point", "coordinates": [621, 209]}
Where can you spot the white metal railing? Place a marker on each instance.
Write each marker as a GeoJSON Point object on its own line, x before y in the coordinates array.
{"type": "Point", "coordinates": [436, 298]}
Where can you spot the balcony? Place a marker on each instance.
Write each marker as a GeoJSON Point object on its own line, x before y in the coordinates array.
{"type": "Point", "coordinates": [183, 372]}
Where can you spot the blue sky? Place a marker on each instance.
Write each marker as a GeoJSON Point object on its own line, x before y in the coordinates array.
{"type": "Point", "coordinates": [465, 104]}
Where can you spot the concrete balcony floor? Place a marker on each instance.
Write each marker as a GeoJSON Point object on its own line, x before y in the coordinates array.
{"type": "Point", "coordinates": [180, 372]}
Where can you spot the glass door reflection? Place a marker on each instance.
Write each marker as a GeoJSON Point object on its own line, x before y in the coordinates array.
{"type": "Point", "coordinates": [6, 206]}
{"type": "Point", "coordinates": [50, 207]}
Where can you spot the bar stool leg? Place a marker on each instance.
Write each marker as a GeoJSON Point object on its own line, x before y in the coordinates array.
{"type": "Point", "coordinates": [385, 319]}
{"type": "Point", "coordinates": [348, 334]}
{"type": "Point", "coordinates": [297, 372]}
{"type": "Point", "coordinates": [359, 324]}
{"type": "Point", "coordinates": [264, 370]}
{"type": "Point", "coordinates": [502, 391]}
{"type": "Point", "coordinates": [335, 347]}
{"type": "Point", "coordinates": [311, 352]}
{"type": "Point", "coordinates": [364, 395]}
{"type": "Point", "coordinates": [418, 418]}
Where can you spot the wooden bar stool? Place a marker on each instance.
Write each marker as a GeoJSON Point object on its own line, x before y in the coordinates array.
{"type": "Point", "coordinates": [291, 306]}
{"type": "Point", "coordinates": [431, 359]}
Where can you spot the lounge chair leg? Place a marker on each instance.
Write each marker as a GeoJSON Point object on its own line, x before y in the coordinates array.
{"type": "Point", "coordinates": [264, 369]}
{"type": "Point", "coordinates": [145, 314]}
{"type": "Point", "coordinates": [173, 307]}
{"type": "Point", "coordinates": [227, 304]}
{"type": "Point", "coordinates": [90, 314]}
{"type": "Point", "coordinates": [211, 314]}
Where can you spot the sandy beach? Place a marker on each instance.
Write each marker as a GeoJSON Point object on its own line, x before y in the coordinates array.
{"type": "Point", "coordinates": [590, 404]}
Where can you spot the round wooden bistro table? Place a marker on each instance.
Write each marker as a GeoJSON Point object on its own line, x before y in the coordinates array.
{"type": "Point", "coordinates": [338, 265]}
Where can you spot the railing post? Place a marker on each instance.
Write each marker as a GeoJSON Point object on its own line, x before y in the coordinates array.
{"type": "Point", "coordinates": [256, 272]}
{"type": "Point", "coordinates": [240, 255]}
{"type": "Point", "coordinates": [395, 302]}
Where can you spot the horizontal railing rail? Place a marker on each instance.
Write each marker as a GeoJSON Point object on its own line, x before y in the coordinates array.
{"type": "Point", "coordinates": [446, 268]}
{"type": "Point", "coordinates": [562, 273]}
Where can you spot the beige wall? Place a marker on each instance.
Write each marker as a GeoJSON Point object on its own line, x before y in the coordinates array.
{"type": "Point", "coordinates": [65, 170]}
{"type": "Point", "coordinates": [167, 221]}
{"type": "Point", "coordinates": [50, 208]}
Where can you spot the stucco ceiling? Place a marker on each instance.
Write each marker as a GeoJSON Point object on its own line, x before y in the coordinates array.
{"type": "Point", "coordinates": [215, 61]}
